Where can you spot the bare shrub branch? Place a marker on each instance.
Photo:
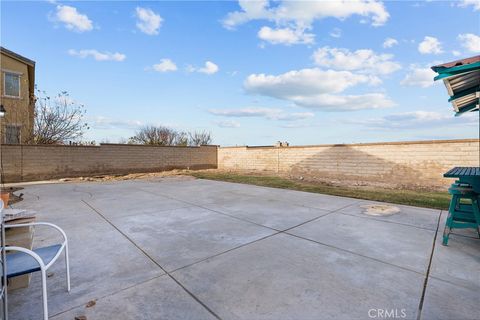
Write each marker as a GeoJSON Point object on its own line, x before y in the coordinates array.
{"type": "Point", "coordinates": [57, 120]}
{"type": "Point", "coordinates": [199, 138]}
{"type": "Point", "coordinates": [163, 136]}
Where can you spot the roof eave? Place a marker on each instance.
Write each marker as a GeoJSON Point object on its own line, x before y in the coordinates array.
{"type": "Point", "coordinates": [16, 56]}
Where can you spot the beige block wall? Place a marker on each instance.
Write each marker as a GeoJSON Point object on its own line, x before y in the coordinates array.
{"type": "Point", "coordinates": [397, 165]}
{"type": "Point", "coordinates": [418, 164]}
{"type": "Point", "coordinates": [38, 162]}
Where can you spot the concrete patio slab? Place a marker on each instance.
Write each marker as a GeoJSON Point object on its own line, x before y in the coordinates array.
{"type": "Point", "coordinates": [312, 200]}
{"type": "Point", "coordinates": [63, 212]}
{"type": "Point", "coordinates": [279, 215]}
{"type": "Point", "coordinates": [453, 287]}
{"type": "Point", "coordinates": [284, 277]}
{"type": "Point", "coordinates": [447, 301]}
{"type": "Point", "coordinates": [219, 192]}
{"type": "Point", "coordinates": [397, 244]}
{"type": "Point", "coordinates": [126, 203]}
{"type": "Point", "coordinates": [197, 192]}
{"type": "Point", "coordinates": [411, 216]}
{"type": "Point", "coordinates": [98, 254]}
{"type": "Point", "coordinates": [180, 237]}
{"type": "Point", "coordinates": [160, 298]}
{"type": "Point", "coordinates": [122, 233]}
{"type": "Point", "coordinates": [459, 262]}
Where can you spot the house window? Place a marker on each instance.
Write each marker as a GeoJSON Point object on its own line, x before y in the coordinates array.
{"type": "Point", "coordinates": [12, 84]}
{"type": "Point", "coordinates": [12, 134]}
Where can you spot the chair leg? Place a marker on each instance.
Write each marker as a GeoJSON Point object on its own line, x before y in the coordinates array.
{"type": "Point", "coordinates": [446, 231]}
{"type": "Point", "coordinates": [448, 223]}
{"type": "Point", "coordinates": [44, 294]}
{"type": "Point", "coordinates": [67, 266]}
{"type": "Point", "coordinates": [476, 213]}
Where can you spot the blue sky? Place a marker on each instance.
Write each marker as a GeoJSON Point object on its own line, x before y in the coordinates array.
{"type": "Point", "coordinates": [252, 72]}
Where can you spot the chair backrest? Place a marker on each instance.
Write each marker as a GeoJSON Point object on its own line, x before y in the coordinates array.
{"type": "Point", "coordinates": [3, 281]}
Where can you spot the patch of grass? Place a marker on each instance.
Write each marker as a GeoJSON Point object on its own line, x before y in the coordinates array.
{"type": "Point", "coordinates": [435, 200]}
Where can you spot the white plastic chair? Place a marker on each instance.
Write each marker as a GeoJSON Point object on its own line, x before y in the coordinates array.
{"type": "Point", "coordinates": [26, 261]}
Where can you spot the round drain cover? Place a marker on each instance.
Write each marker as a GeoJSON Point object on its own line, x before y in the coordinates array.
{"type": "Point", "coordinates": [380, 210]}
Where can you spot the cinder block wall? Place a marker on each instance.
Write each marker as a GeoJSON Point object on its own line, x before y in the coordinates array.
{"type": "Point", "coordinates": [38, 162]}
{"type": "Point", "coordinates": [418, 164]}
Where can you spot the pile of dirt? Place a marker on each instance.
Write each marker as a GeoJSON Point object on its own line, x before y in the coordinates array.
{"type": "Point", "coordinates": [378, 210]}
{"type": "Point", "coordinates": [130, 176]}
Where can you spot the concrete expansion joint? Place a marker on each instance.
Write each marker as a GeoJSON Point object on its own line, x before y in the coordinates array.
{"type": "Point", "coordinates": [424, 289]}
{"type": "Point", "coordinates": [154, 261]}
{"type": "Point", "coordinates": [109, 294]}
{"type": "Point", "coordinates": [75, 189]}
{"type": "Point", "coordinates": [355, 253]}
{"type": "Point", "coordinates": [386, 221]}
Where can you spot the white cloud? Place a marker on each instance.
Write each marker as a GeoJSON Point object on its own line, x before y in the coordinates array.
{"type": "Point", "coordinates": [285, 36]}
{"type": "Point", "coordinates": [331, 102]}
{"type": "Point", "coordinates": [363, 60]}
{"type": "Point", "coordinates": [336, 33]}
{"type": "Point", "coordinates": [295, 116]}
{"type": "Point", "coordinates": [303, 82]}
{"type": "Point", "coordinates": [245, 112]}
{"type": "Point", "coordinates": [209, 68]}
{"type": "Point", "coordinates": [148, 21]}
{"type": "Point", "coordinates": [430, 45]}
{"type": "Point", "coordinates": [268, 113]}
{"type": "Point", "coordinates": [165, 65]}
{"type": "Point", "coordinates": [470, 41]}
{"type": "Point", "coordinates": [292, 18]}
{"type": "Point", "coordinates": [417, 116]}
{"type": "Point", "coordinates": [227, 124]}
{"type": "Point", "coordinates": [97, 55]}
{"type": "Point", "coordinates": [107, 123]}
{"type": "Point", "coordinates": [297, 125]}
{"type": "Point", "coordinates": [456, 53]}
{"type": "Point", "coordinates": [474, 3]}
{"type": "Point", "coordinates": [317, 89]}
{"type": "Point", "coordinates": [417, 120]}
{"type": "Point", "coordinates": [303, 13]}
{"type": "Point", "coordinates": [390, 42]}
{"type": "Point", "coordinates": [101, 122]}
{"type": "Point", "coordinates": [419, 76]}
{"type": "Point", "coordinates": [72, 19]}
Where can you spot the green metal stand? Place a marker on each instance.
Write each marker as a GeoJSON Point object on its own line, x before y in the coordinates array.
{"type": "Point", "coordinates": [464, 211]}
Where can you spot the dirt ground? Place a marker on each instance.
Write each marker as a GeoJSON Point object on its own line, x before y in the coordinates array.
{"type": "Point", "coordinates": [131, 176]}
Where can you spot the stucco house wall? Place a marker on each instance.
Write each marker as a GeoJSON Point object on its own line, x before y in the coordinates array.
{"type": "Point", "coordinates": [19, 110]}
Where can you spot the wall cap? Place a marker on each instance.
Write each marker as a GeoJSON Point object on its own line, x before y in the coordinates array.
{"type": "Point", "coordinates": [102, 144]}
{"type": "Point", "coordinates": [359, 144]}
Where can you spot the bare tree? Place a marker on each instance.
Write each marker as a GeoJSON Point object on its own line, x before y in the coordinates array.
{"type": "Point", "coordinates": [57, 120]}
{"type": "Point", "coordinates": [161, 136]}
{"type": "Point", "coordinates": [164, 136]}
{"type": "Point", "coordinates": [199, 138]}
{"type": "Point", "coordinates": [181, 139]}
{"type": "Point", "coordinates": [120, 141]}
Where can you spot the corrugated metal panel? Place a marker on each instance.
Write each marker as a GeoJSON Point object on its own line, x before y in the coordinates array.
{"type": "Point", "coordinates": [464, 81]}
{"type": "Point", "coordinates": [468, 83]}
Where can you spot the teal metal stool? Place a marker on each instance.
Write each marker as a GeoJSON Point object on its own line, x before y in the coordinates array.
{"type": "Point", "coordinates": [462, 214]}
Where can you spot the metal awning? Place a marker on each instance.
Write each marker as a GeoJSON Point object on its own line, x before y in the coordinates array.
{"type": "Point", "coordinates": [462, 80]}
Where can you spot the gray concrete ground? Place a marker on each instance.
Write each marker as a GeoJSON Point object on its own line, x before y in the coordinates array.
{"type": "Point", "coordinates": [180, 248]}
